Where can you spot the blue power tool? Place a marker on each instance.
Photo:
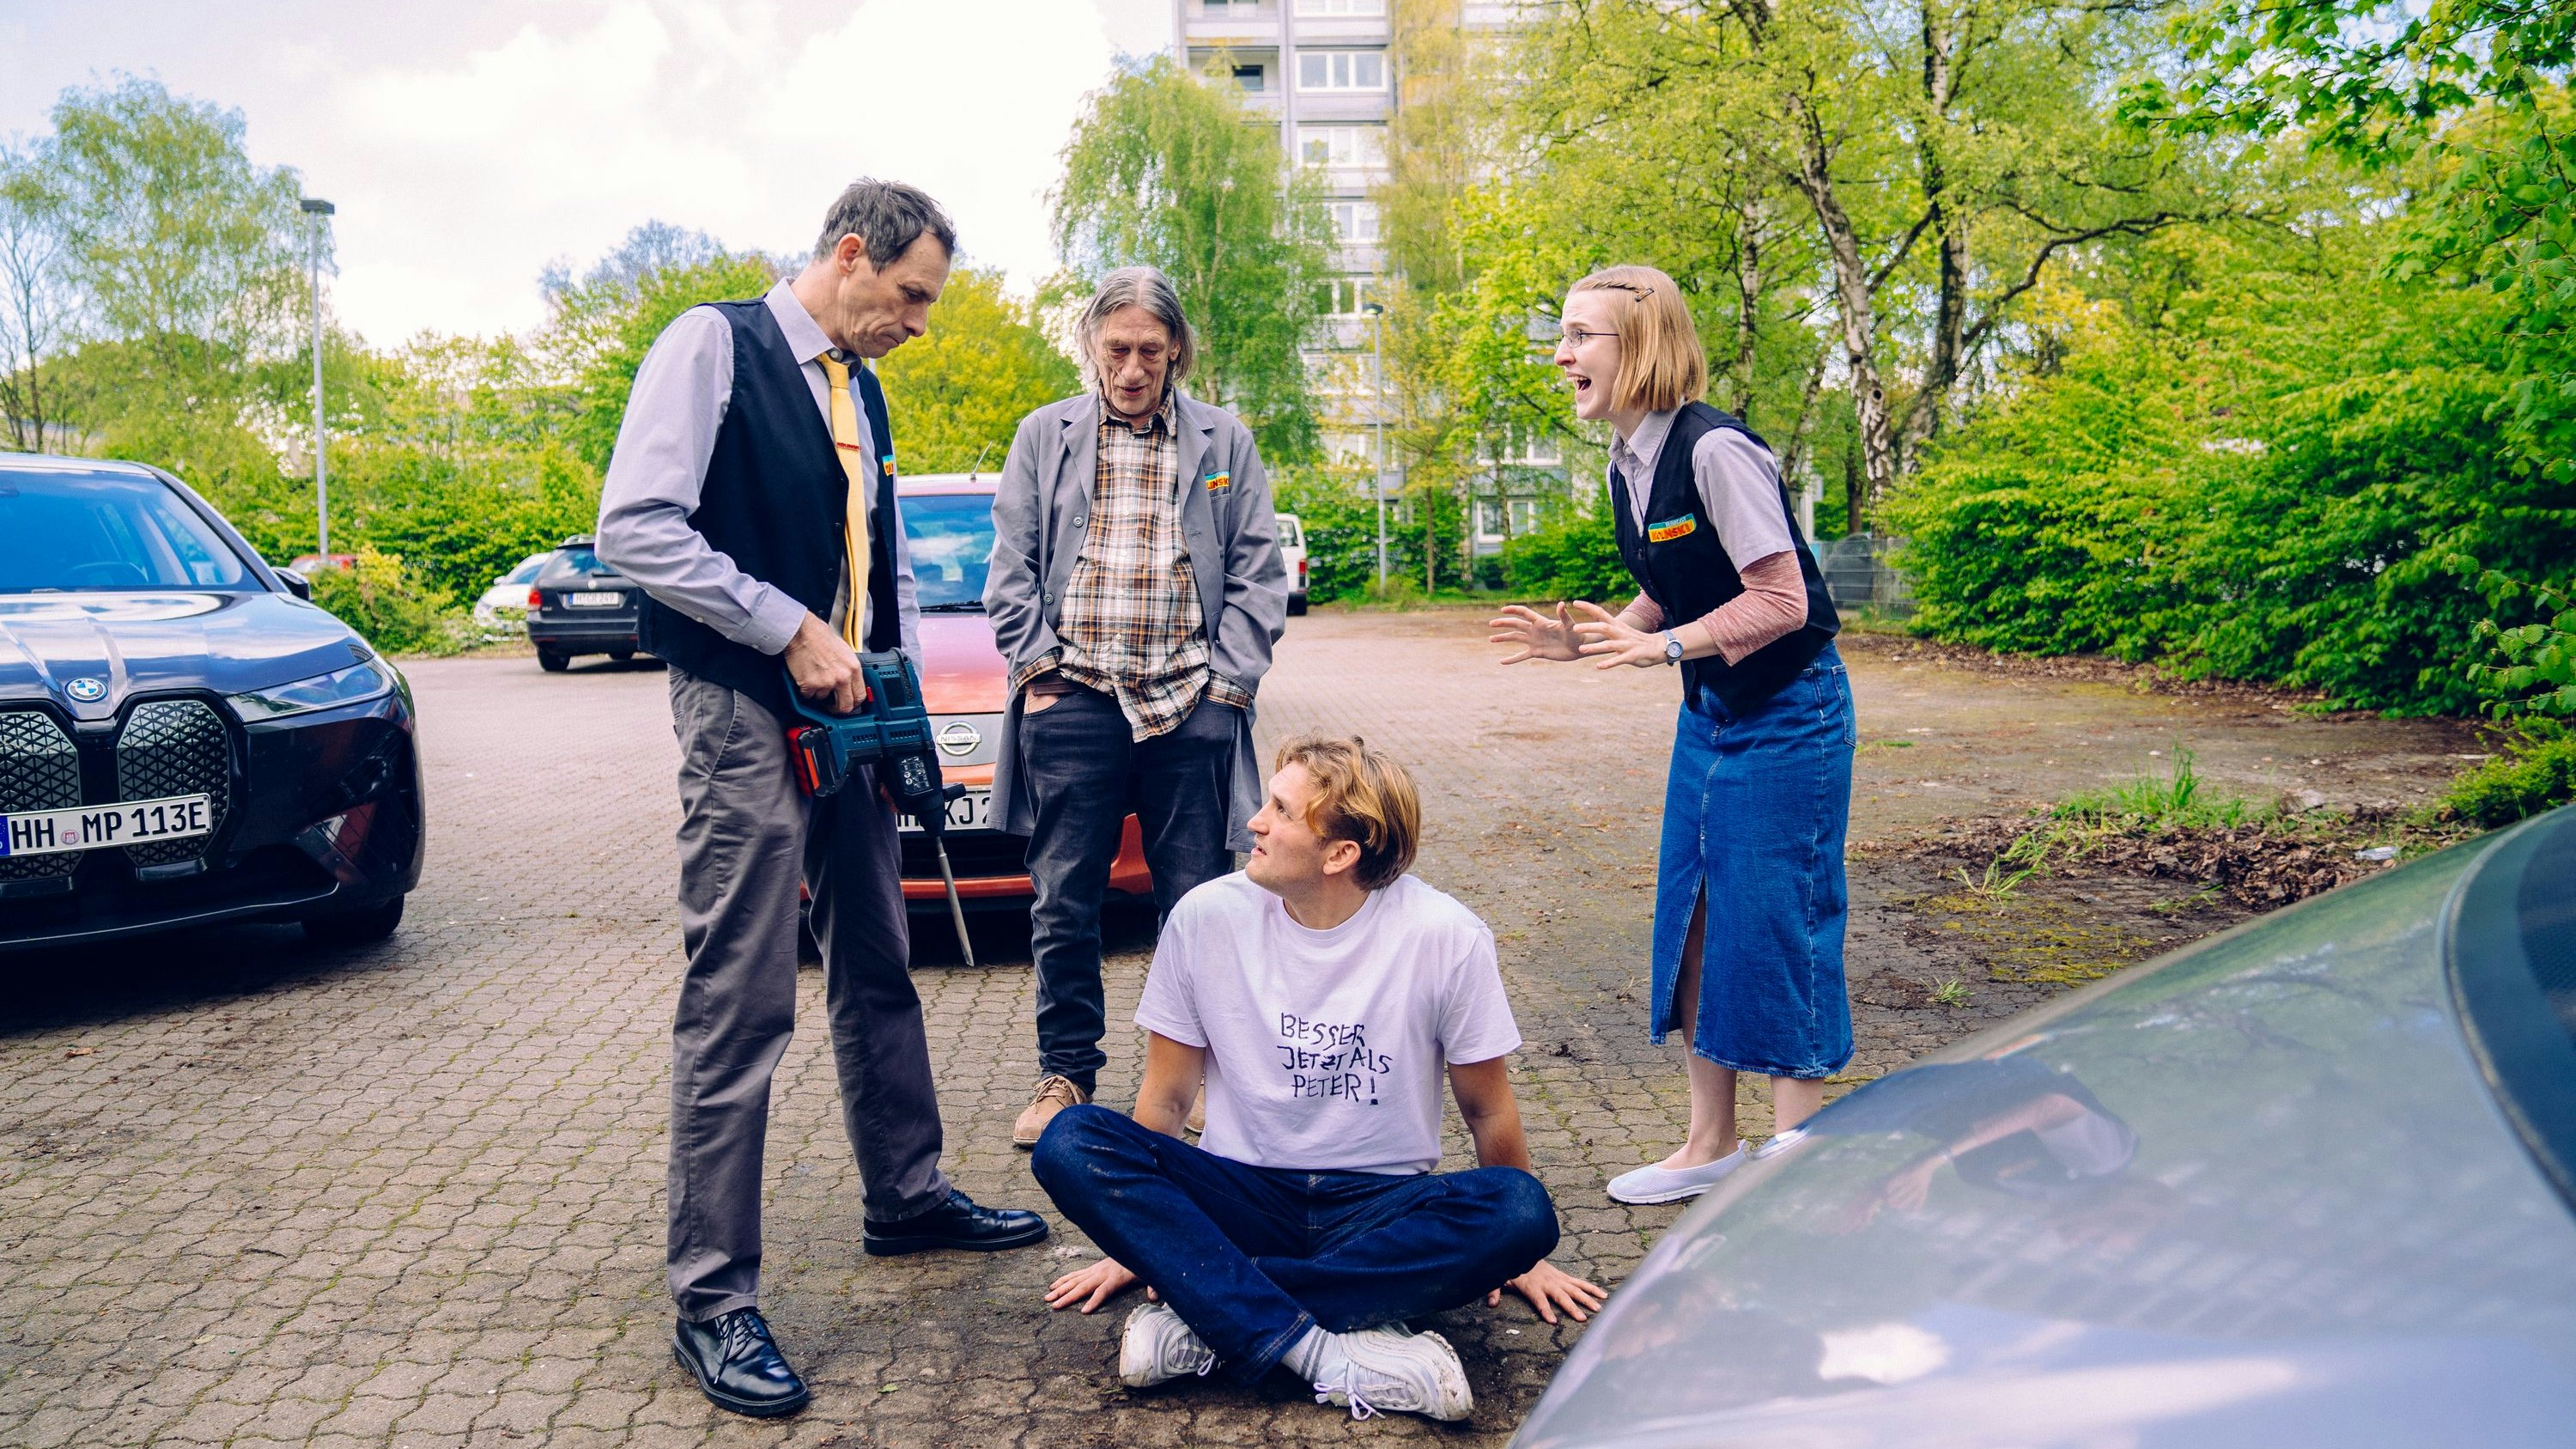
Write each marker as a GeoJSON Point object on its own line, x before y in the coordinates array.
{"type": "Point", "coordinates": [890, 730]}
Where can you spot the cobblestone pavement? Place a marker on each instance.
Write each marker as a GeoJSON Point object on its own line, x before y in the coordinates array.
{"type": "Point", "coordinates": [253, 1192]}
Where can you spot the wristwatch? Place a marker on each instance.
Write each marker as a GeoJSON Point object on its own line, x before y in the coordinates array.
{"type": "Point", "coordinates": [1672, 648]}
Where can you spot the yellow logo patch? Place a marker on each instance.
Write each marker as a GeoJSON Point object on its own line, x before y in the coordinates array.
{"type": "Point", "coordinates": [1672, 528]}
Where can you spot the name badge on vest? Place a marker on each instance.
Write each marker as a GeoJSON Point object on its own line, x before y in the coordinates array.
{"type": "Point", "coordinates": [1672, 528]}
{"type": "Point", "coordinates": [1219, 483]}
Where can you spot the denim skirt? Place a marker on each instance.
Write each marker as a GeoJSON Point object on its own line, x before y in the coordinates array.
{"type": "Point", "coordinates": [1755, 812]}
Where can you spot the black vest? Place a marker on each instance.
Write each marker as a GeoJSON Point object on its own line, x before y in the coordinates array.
{"type": "Point", "coordinates": [775, 500]}
{"type": "Point", "coordinates": [1678, 559]}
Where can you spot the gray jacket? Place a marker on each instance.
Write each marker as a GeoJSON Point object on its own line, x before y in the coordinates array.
{"type": "Point", "coordinates": [1040, 515]}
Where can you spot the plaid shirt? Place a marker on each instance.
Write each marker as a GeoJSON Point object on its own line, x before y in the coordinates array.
{"type": "Point", "coordinates": [1131, 626]}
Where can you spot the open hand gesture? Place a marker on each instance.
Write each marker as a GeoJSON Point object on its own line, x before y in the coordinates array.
{"type": "Point", "coordinates": [1538, 636]}
{"type": "Point", "coordinates": [1549, 1288]}
{"type": "Point", "coordinates": [1613, 641]}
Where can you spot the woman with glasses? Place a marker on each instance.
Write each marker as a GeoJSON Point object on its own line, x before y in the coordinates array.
{"type": "Point", "coordinates": [1750, 899]}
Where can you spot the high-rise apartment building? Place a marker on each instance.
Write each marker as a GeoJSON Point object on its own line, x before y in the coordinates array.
{"type": "Point", "coordinates": [1325, 72]}
{"type": "Point", "coordinates": [1324, 69]}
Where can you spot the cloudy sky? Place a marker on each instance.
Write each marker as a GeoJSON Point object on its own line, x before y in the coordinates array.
{"type": "Point", "coordinates": [469, 142]}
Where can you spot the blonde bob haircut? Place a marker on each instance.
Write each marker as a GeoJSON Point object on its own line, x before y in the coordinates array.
{"type": "Point", "coordinates": [1362, 796]}
{"type": "Point", "coordinates": [1661, 363]}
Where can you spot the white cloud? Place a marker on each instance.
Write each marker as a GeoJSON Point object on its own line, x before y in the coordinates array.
{"type": "Point", "coordinates": [477, 169]}
{"type": "Point", "coordinates": [469, 143]}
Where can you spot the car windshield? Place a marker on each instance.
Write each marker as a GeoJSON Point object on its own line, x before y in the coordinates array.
{"type": "Point", "coordinates": [528, 569]}
{"type": "Point", "coordinates": [84, 532]}
{"type": "Point", "coordinates": [2512, 959]}
{"type": "Point", "coordinates": [1289, 536]}
{"type": "Point", "coordinates": [952, 541]}
{"type": "Point", "coordinates": [576, 560]}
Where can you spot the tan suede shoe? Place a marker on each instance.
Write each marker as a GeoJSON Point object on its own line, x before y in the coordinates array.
{"type": "Point", "coordinates": [1054, 1095]}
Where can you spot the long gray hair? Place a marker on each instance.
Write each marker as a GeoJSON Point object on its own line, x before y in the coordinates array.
{"type": "Point", "coordinates": [1144, 287]}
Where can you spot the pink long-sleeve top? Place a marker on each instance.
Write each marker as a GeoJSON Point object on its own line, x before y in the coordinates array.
{"type": "Point", "coordinates": [1739, 490]}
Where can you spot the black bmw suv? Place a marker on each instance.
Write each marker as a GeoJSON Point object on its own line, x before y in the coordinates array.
{"type": "Point", "coordinates": [184, 738]}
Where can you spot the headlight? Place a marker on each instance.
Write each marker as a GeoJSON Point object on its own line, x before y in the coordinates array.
{"type": "Point", "coordinates": [322, 691]}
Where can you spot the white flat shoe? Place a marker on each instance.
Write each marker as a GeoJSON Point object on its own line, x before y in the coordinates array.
{"type": "Point", "coordinates": [1666, 1184]}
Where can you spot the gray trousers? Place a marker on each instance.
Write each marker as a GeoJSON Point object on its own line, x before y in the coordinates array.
{"type": "Point", "coordinates": [747, 836]}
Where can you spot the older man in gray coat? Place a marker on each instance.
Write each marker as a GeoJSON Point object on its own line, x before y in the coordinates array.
{"type": "Point", "coordinates": [1136, 589]}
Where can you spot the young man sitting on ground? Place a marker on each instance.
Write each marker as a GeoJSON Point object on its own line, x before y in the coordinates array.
{"type": "Point", "coordinates": [1319, 992]}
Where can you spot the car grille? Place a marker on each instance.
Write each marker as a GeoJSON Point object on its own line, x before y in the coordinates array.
{"type": "Point", "coordinates": [39, 770]}
{"type": "Point", "coordinates": [174, 747]}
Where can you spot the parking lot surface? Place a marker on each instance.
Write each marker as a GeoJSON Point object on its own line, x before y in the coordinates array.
{"type": "Point", "coordinates": [253, 1192]}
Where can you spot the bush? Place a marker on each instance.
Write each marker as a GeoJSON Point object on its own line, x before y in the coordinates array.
{"type": "Point", "coordinates": [2294, 476]}
{"type": "Point", "coordinates": [391, 607]}
{"type": "Point", "coordinates": [2534, 771]}
{"type": "Point", "coordinates": [1574, 555]}
{"type": "Point", "coordinates": [1340, 521]}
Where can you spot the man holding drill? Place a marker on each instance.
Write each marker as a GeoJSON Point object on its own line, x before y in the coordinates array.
{"type": "Point", "coordinates": [751, 495]}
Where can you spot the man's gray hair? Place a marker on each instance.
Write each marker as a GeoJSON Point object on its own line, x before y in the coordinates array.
{"type": "Point", "coordinates": [887, 217]}
{"type": "Point", "coordinates": [1144, 287]}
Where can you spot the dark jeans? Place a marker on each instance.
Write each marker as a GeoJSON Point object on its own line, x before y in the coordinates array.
{"type": "Point", "coordinates": [1085, 772]}
{"type": "Point", "coordinates": [1252, 1257]}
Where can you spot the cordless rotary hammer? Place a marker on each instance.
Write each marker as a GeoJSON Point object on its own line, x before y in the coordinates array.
{"type": "Point", "coordinates": [890, 730]}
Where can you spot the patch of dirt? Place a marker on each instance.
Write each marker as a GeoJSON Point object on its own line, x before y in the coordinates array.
{"type": "Point", "coordinates": [2087, 668]}
{"type": "Point", "coordinates": [2258, 866]}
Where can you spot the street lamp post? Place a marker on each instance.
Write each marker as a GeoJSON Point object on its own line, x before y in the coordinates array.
{"type": "Point", "coordinates": [1377, 349]}
{"type": "Point", "coordinates": [318, 209]}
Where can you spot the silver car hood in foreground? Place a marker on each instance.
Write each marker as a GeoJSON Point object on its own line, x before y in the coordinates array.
{"type": "Point", "coordinates": [2264, 1201]}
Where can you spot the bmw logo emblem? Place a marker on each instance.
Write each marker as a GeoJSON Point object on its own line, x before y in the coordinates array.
{"type": "Point", "coordinates": [959, 739]}
{"type": "Point", "coordinates": [87, 690]}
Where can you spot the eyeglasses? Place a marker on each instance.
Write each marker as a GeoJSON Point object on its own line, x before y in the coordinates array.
{"type": "Point", "coordinates": [1576, 336]}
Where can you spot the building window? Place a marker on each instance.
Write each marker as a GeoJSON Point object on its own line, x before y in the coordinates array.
{"type": "Point", "coordinates": [1524, 516]}
{"type": "Point", "coordinates": [1341, 7]}
{"type": "Point", "coordinates": [1248, 77]}
{"type": "Point", "coordinates": [1342, 145]}
{"type": "Point", "coordinates": [1343, 297]}
{"type": "Point", "coordinates": [1355, 221]}
{"type": "Point", "coordinates": [1341, 70]}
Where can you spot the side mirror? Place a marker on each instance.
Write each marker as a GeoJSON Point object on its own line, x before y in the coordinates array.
{"type": "Point", "coordinates": [296, 584]}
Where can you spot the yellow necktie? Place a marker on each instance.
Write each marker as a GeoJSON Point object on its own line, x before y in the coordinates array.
{"type": "Point", "coordinates": [854, 526]}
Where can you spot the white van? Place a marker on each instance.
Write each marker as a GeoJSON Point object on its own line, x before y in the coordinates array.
{"type": "Point", "coordinates": [1292, 550]}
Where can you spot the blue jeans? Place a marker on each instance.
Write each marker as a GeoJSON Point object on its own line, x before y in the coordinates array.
{"type": "Point", "coordinates": [1085, 771]}
{"type": "Point", "coordinates": [1252, 1257]}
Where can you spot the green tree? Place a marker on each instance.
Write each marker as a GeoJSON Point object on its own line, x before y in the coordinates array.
{"type": "Point", "coordinates": [603, 327]}
{"type": "Point", "coordinates": [36, 301]}
{"type": "Point", "coordinates": [957, 394]}
{"type": "Point", "coordinates": [1167, 172]}
{"type": "Point", "coordinates": [174, 238]}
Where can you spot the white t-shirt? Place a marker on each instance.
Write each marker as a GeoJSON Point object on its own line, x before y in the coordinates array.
{"type": "Point", "coordinates": [1327, 1050]}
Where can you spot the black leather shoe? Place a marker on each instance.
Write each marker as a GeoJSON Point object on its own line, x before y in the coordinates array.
{"type": "Point", "coordinates": [739, 1365]}
{"type": "Point", "coordinates": [956, 1223]}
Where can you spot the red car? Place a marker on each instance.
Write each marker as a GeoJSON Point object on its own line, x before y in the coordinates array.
{"type": "Point", "coordinates": [948, 520]}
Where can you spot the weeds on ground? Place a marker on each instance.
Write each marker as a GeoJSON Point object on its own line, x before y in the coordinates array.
{"type": "Point", "coordinates": [1950, 992]}
{"type": "Point", "coordinates": [2175, 801]}
{"type": "Point", "coordinates": [1994, 885]}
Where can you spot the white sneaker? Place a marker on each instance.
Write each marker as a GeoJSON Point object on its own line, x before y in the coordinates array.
{"type": "Point", "coordinates": [1393, 1370]}
{"type": "Point", "coordinates": [1157, 1346]}
{"type": "Point", "coordinates": [1668, 1184]}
